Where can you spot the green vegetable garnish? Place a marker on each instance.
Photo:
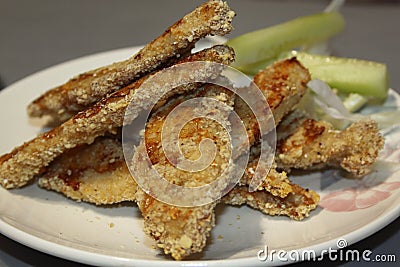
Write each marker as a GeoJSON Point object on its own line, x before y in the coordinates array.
{"type": "Point", "coordinates": [267, 44]}
{"type": "Point", "coordinates": [348, 75]}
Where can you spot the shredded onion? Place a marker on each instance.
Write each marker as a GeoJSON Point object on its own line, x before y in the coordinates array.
{"type": "Point", "coordinates": [325, 100]}
{"type": "Point", "coordinates": [330, 103]}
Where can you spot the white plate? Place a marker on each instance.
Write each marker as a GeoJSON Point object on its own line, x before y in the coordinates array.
{"type": "Point", "coordinates": [105, 236]}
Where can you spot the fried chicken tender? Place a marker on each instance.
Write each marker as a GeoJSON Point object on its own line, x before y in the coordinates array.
{"type": "Point", "coordinates": [80, 175]}
{"type": "Point", "coordinates": [178, 231]}
{"type": "Point", "coordinates": [61, 103]}
{"type": "Point", "coordinates": [95, 173]}
{"type": "Point", "coordinates": [297, 204]}
{"type": "Point", "coordinates": [182, 231]}
{"type": "Point", "coordinates": [316, 144]}
{"type": "Point", "coordinates": [283, 84]}
{"type": "Point", "coordinates": [275, 182]}
{"type": "Point", "coordinates": [20, 166]}
{"type": "Point", "coordinates": [98, 174]}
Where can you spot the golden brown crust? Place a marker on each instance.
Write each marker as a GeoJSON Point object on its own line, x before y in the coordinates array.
{"type": "Point", "coordinates": [19, 166]}
{"type": "Point", "coordinates": [61, 103]}
{"type": "Point", "coordinates": [297, 205]}
{"type": "Point", "coordinates": [182, 231]}
{"type": "Point", "coordinates": [95, 173]}
{"type": "Point", "coordinates": [86, 174]}
{"type": "Point", "coordinates": [282, 84]}
{"type": "Point", "coordinates": [178, 231]}
{"type": "Point", "coordinates": [316, 144]}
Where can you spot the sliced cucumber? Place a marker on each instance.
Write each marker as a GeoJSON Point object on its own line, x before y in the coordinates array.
{"type": "Point", "coordinates": [268, 43]}
{"type": "Point", "coordinates": [252, 68]}
{"type": "Point", "coordinates": [348, 75]}
{"type": "Point", "coordinates": [354, 102]}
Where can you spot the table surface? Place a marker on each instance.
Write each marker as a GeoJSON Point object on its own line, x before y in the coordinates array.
{"type": "Point", "coordinates": [38, 34]}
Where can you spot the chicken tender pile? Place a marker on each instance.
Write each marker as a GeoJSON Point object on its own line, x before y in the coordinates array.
{"type": "Point", "coordinates": [82, 157]}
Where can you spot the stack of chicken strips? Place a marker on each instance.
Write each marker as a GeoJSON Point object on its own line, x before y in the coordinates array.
{"type": "Point", "coordinates": [82, 156]}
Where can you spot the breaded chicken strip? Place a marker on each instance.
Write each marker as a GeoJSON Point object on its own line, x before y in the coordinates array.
{"type": "Point", "coordinates": [297, 204]}
{"type": "Point", "coordinates": [80, 175]}
{"type": "Point", "coordinates": [211, 18]}
{"type": "Point", "coordinates": [275, 182]}
{"type": "Point", "coordinates": [95, 173]}
{"type": "Point", "coordinates": [316, 144]}
{"type": "Point", "coordinates": [283, 84]}
{"type": "Point", "coordinates": [19, 166]}
{"type": "Point", "coordinates": [181, 231]}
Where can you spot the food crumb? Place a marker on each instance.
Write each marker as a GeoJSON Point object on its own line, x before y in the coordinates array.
{"type": "Point", "coordinates": [111, 225]}
{"type": "Point", "coordinates": [220, 237]}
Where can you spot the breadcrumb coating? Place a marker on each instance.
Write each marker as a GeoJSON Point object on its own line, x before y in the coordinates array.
{"type": "Point", "coordinates": [61, 103]}
{"type": "Point", "coordinates": [182, 231]}
{"type": "Point", "coordinates": [316, 144]}
{"type": "Point", "coordinates": [297, 204]}
{"type": "Point", "coordinates": [20, 166]}
{"type": "Point", "coordinates": [283, 84]}
{"type": "Point", "coordinates": [95, 173]}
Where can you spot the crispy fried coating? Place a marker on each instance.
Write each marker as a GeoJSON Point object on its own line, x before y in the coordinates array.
{"type": "Point", "coordinates": [95, 173]}
{"type": "Point", "coordinates": [19, 166]}
{"type": "Point", "coordinates": [80, 175]}
{"type": "Point", "coordinates": [211, 18]}
{"type": "Point", "coordinates": [297, 204]}
{"type": "Point", "coordinates": [181, 231]}
{"type": "Point", "coordinates": [316, 144]}
{"type": "Point", "coordinates": [275, 182]}
{"type": "Point", "coordinates": [177, 229]}
{"type": "Point", "coordinates": [283, 84]}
